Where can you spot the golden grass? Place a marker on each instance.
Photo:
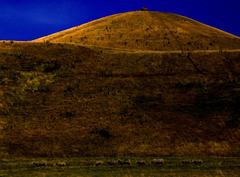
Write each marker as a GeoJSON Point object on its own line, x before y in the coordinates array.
{"type": "Point", "coordinates": [146, 30]}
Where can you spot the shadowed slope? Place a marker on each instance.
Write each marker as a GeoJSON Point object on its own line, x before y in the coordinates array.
{"type": "Point", "coordinates": [68, 100]}
{"type": "Point", "coordinates": [147, 30]}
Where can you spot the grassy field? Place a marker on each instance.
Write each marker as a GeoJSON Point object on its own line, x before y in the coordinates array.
{"type": "Point", "coordinates": [211, 166]}
{"type": "Point", "coordinates": [119, 172]}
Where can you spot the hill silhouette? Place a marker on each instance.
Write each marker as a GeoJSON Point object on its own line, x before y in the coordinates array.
{"type": "Point", "coordinates": [104, 99]}
{"type": "Point", "coordinates": [147, 30]}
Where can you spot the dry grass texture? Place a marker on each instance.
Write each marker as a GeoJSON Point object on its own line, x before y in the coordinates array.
{"type": "Point", "coordinates": [65, 100]}
{"type": "Point", "coordinates": [145, 30]}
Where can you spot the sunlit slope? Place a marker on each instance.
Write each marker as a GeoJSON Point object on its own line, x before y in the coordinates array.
{"type": "Point", "coordinates": [68, 100]}
{"type": "Point", "coordinates": [147, 30]}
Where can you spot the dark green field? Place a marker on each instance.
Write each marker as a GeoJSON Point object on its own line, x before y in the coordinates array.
{"type": "Point", "coordinates": [117, 172]}
{"type": "Point", "coordinates": [172, 166]}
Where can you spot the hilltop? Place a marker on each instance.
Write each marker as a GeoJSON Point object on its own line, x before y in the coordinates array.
{"type": "Point", "coordinates": [147, 30]}
{"type": "Point", "coordinates": [100, 98]}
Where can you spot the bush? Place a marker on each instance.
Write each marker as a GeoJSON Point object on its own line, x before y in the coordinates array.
{"type": "Point", "coordinates": [51, 66]}
{"type": "Point", "coordinates": [103, 132]}
{"type": "Point", "coordinates": [147, 102]}
{"type": "Point", "coordinates": [68, 114]}
{"type": "Point", "coordinates": [189, 85]}
{"type": "Point", "coordinates": [35, 81]}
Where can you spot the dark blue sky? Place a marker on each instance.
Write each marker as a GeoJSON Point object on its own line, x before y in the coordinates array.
{"type": "Point", "coordinates": [30, 19]}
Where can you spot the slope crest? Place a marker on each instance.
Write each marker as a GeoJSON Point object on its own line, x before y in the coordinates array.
{"type": "Point", "coordinates": [147, 30]}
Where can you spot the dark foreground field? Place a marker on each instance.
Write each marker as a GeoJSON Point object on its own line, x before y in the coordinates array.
{"type": "Point", "coordinates": [172, 166]}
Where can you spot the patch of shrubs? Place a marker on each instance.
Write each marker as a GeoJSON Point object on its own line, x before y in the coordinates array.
{"type": "Point", "coordinates": [189, 85]}
{"type": "Point", "coordinates": [147, 102]}
{"type": "Point", "coordinates": [215, 100]}
{"type": "Point", "coordinates": [103, 132]}
{"type": "Point", "coordinates": [69, 88]}
{"type": "Point", "coordinates": [234, 120]}
{"type": "Point", "coordinates": [51, 66]}
{"type": "Point", "coordinates": [68, 114]}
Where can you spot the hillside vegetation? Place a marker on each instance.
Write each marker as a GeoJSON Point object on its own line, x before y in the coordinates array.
{"type": "Point", "coordinates": [133, 84]}
{"type": "Point", "coordinates": [68, 100]}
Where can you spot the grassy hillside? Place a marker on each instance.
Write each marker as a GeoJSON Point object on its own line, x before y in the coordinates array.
{"type": "Point", "coordinates": [67, 100]}
{"type": "Point", "coordinates": [147, 30]}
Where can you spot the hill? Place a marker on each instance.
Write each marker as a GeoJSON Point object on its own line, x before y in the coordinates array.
{"type": "Point", "coordinates": [67, 100]}
{"type": "Point", "coordinates": [62, 99]}
{"type": "Point", "coordinates": [146, 30]}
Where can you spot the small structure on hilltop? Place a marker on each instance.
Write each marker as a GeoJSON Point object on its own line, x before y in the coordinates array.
{"type": "Point", "coordinates": [144, 9]}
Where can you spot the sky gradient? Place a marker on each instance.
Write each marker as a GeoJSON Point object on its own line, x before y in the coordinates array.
{"type": "Point", "coordinates": [30, 19]}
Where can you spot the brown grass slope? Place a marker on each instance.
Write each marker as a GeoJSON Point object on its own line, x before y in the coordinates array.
{"type": "Point", "coordinates": [146, 30]}
{"type": "Point", "coordinates": [67, 100]}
